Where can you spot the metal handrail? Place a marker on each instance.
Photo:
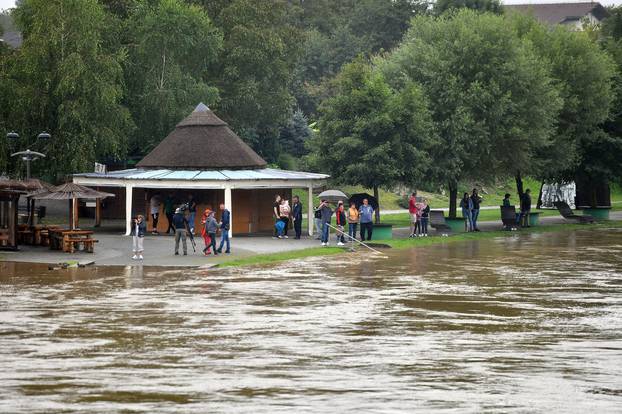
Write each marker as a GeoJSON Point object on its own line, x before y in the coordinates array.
{"type": "Point", "coordinates": [352, 239]}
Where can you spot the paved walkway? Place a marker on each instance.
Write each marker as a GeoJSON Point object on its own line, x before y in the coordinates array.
{"type": "Point", "coordinates": [115, 249]}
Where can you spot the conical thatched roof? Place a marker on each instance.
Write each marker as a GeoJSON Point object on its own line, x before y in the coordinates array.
{"type": "Point", "coordinates": [202, 141]}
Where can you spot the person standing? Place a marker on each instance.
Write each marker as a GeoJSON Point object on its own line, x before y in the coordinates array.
{"type": "Point", "coordinates": [466, 204]}
{"type": "Point", "coordinates": [154, 207]}
{"type": "Point", "coordinates": [297, 216]}
{"type": "Point", "coordinates": [340, 217]}
{"type": "Point", "coordinates": [425, 217]}
{"type": "Point", "coordinates": [139, 228]}
{"type": "Point", "coordinates": [475, 212]}
{"type": "Point", "coordinates": [506, 200]}
{"type": "Point", "coordinates": [284, 212]}
{"type": "Point", "coordinates": [326, 213]}
{"type": "Point", "coordinates": [276, 213]}
{"type": "Point", "coordinates": [169, 210]}
{"type": "Point", "coordinates": [211, 226]}
{"type": "Point", "coordinates": [206, 238]}
{"type": "Point", "coordinates": [353, 220]}
{"type": "Point", "coordinates": [317, 218]}
{"type": "Point", "coordinates": [412, 210]}
{"type": "Point", "coordinates": [366, 213]}
{"type": "Point", "coordinates": [180, 223]}
{"type": "Point", "coordinates": [192, 212]}
{"type": "Point", "coordinates": [525, 208]}
{"type": "Point", "coordinates": [225, 225]}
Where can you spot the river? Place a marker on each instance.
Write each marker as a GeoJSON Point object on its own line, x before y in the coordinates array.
{"type": "Point", "coordinates": [526, 323]}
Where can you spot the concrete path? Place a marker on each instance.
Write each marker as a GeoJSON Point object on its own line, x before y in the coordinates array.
{"type": "Point", "coordinates": [115, 249]}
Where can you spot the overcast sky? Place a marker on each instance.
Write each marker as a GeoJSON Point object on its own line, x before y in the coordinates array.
{"type": "Point", "coordinates": [6, 4]}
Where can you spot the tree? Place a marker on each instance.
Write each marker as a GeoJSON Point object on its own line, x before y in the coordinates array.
{"type": "Point", "coordinates": [172, 46]}
{"type": "Point", "coordinates": [255, 70]}
{"type": "Point", "coordinates": [295, 134]}
{"type": "Point", "coordinates": [492, 101]}
{"type": "Point", "coordinates": [584, 75]}
{"type": "Point", "coordinates": [371, 135]}
{"type": "Point", "coordinates": [493, 6]}
{"type": "Point", "coordinates": [68, 84]}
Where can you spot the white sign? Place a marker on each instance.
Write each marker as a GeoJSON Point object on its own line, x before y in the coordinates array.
{"type": "Point", "coordinates": [100, 168]}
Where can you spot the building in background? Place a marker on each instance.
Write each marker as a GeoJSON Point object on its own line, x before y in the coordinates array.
{"type": "Point", "coordinates": [574, 15]}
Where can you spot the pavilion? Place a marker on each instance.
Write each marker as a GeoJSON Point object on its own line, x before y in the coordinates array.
{"type": "Point", "coordinates": [204, 157]}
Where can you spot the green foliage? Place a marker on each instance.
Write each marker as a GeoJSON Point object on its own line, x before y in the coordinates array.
{"type": "Point", "coordinates": [67, 84]}
{"type": "Point", "coordinates": [492, 101]}
{"type": "Point", "coordinates": [295, 134]}
{"type": "Point", "coordinates": [171, 47]}
{"type": "Point", "coordinates": [255, 70]}
{"type": "Point", "coordinates": [493, 6]}
{"type": "Point", "coordinates": [371, 134]}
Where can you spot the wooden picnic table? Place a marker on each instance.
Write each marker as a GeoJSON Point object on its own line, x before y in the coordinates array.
{"type": "Point", "coordinates": [67, 240]}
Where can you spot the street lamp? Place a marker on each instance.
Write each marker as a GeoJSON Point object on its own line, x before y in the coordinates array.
{"type": "Point", "coordinates": [28, 155]}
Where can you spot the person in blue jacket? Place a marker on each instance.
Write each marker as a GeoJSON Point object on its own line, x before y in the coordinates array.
{"type": "Point", "coordinates": [366, 214]}
{"type": "Point", "coordinates": [225, 225]}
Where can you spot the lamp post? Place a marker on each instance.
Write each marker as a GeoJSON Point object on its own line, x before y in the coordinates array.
{"type": "Point", "coordinates": [28, 156]}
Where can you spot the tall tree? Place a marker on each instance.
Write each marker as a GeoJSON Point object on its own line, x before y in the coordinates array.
{"type": "Point", "coordinates": [68, 84]}
{"type": "Point", "coordinates": [295, 134]}
{"type": "Point", "coordinates": [492, 101]}
{"type": "Point", "coordinates": [255, 70]}
{"type": "Point", "coordinates": [370, 134]}
{"type": "Point", "coordinates": [172, 46]}
{"type": "Point", "coordinates": [492, 6]}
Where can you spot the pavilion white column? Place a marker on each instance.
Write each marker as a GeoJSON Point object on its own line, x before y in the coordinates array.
{"type": "Point", "coordinates": [229, 207]}
{"type": "Point", "coordinates": [128, 208]}
{"type": "Point", "coordinates": [310, 215]}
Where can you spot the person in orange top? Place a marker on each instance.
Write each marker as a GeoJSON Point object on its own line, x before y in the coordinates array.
{"type": "Point", "coordinates": [353, 220]}
{"type": "Point", "coordinates": [206, 238]}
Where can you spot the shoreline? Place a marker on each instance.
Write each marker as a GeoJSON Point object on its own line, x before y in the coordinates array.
{"type": "Point", "coordinates": [407, 243]}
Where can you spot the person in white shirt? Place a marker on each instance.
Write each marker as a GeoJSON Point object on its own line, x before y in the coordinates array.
{"type": "Point", "coordinates": [154, 205]}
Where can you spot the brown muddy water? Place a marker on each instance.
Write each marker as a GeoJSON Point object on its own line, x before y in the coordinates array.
{"type": "Point", "coordinates": [521, 324]}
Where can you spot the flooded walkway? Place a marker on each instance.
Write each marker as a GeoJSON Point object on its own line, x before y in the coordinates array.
{"type": "Point", "coordinates": [528, 323]}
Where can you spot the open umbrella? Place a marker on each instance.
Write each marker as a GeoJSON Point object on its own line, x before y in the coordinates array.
{"type": "Point", "coordinates": [358, 198]}
{"type": "Point", "coordinates": [71, 192]}
{"type": "Point", "coordinates": [333, 196]}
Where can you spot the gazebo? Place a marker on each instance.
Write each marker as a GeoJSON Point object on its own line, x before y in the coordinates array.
{"type": "Point", "coordinates": [204, 157]}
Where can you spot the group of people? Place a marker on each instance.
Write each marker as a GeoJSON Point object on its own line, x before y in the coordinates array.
{"type": "Point", "coordinates": [181, 221]}
{"type": "Point", "coordinates": [470, 209]}
{"type": "Point", "coordinates": [354, 217]}
{"type": "Point", "coordinates": [284, 214]}
{"type": "Point", "coordinates": [419, 216]}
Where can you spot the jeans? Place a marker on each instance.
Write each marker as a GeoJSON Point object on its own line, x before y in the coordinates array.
{"type": "Point", "coordinates": [366, 227]}
{"type": "Point", "coordinates": [137, 244]}
{"type": "Point", "coordinates": [352, 230]}
{"type": "Point", "coordinates": [180, 234]}
{"type": "Point", "coordinates": [424, 225]}
{"type": "Point", "coordinates": [318, 227]}
{"type": "Point", "coordinates": [224, 237]}
{"type": "Point", "coordinates": [298, 227]}
{"type": "Point", "coordinates": [522, 218]}
{"type": "Point", "coordinates": [213, 244]}
{"type": "Point", "coordinates": [340, 237]}
{"type": "Point", "coordinates": [169, 217]}
{"type": "Point", "coordinates": [325, 232]}
{"type": "Point", "coordinates": [468, 217]}
{"type": "Point", "coordinates": [286, 221]}
{"type": "Point", "coordinates": [475, 214]}
{"type": "Point", "coordinates": [191, 221]}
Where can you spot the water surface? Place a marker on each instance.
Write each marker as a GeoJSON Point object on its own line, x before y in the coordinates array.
{"type": "Point", "coordinates": [520, 324]}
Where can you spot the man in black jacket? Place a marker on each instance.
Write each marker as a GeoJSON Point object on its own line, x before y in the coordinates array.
{"type": "Point", "coordinates": [297, 216]}
{"type": "Point", "coordinates": [525, 208]}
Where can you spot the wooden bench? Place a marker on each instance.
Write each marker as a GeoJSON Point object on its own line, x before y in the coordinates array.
{"type": "Point", "coordinates": [437, 221]}
{"type": "Point", "coordinates": [567, 213]}
{"type": "Point", "coordinates": [25, 237]}
{"type": "Point", "coordinates": [508, 217]}
{"type": "Point", "coordinates": [73, 243]}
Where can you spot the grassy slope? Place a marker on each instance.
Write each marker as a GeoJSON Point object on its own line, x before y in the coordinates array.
{"type": "Point", "coordinates": [410, 243]}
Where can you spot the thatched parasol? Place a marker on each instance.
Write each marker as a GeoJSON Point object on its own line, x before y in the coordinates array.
{"type": "Point", "coordinates": [71, 192]}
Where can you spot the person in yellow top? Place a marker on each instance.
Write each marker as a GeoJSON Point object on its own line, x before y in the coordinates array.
{"type": "Point", "coordinates": [353, 220]}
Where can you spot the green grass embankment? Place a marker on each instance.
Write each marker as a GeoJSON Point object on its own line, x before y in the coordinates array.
{"type": "Point", "coordinates": [408, 243]}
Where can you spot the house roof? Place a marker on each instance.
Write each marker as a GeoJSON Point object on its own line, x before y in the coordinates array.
{"type": "Point", "coordinates": [559, 13]}
{"type": "Point", "coordinates": [202, 141]}
{"type": "Point", "coordinates": [205, 175]}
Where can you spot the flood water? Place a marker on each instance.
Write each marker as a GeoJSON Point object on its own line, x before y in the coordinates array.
{"type": "Point", "coordinates": [528, 323]}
